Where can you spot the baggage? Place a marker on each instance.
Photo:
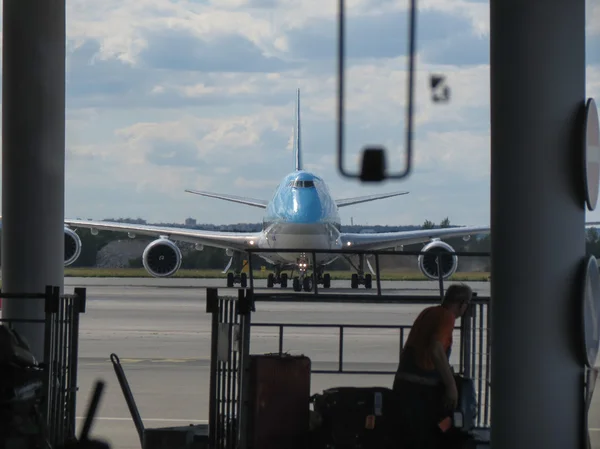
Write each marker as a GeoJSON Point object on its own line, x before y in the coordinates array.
{"type": "Point", "coordinates": [21, 393]}
{"type": "Point", "coordinates": [14, 349]}
{"type": "Point", "coordinates": [354, 417]}
{"type": "Point", "coordinates": [278, 401]}
{"type": "Point", "coordinates": [460, 435]}
{"type": "Point", "coordinates": [465, 414]}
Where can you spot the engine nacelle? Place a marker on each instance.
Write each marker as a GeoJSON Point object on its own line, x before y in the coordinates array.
{"type": "Point", "coordinates": [428, 263]}
{"type": "Point", "coordinates": [162, 258]}
{"type": "Point", "coordinates": [72, 246]}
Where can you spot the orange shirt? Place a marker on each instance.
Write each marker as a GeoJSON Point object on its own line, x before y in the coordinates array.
{"type": "Point", "coordinates": [433, 323]}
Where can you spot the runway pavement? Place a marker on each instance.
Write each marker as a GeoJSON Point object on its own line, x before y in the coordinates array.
{"type": "Point", "coordinates": [161, 332]}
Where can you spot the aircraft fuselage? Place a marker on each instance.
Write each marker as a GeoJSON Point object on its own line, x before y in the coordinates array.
{"type": "Point", "coordinates": [302, 214]}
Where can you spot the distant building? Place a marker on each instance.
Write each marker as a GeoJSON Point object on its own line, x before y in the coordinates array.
{"type": "Point", "coordinates": [190, 222]}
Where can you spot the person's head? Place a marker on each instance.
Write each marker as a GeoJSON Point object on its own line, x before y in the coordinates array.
{"type": "Point", "coordinates": [457, 298]}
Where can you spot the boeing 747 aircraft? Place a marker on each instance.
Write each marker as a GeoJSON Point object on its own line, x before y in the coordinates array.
{"type": "Point", "coordinates": [301, 215]}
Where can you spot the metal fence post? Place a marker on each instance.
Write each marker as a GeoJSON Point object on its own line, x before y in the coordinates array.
{"type": "Point", "coordinates": [246, 307]}
{"type": "Point", "coordinates": [466, 331]}
{"type": "Point", "coordinates": [77, 307]}
{"type": "Point", "coordinates": [47, 363]}
{"type": "Point", "coordinates": [212, 307]}
{"type": "Point", "coordinates": [488, 369]}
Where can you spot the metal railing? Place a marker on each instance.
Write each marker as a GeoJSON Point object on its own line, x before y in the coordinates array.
{"type": "Point", "coordinates": [402, 331]}
{"type": "Point", "coordinates": [341, 328]}
{"type": "Point", "coordinates": [376, 254]}
{"type": "Point", "coordinates": [61, 347]}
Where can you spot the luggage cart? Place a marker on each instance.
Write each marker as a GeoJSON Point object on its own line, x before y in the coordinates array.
{"type": "Point", "coordinates": [179, 437]}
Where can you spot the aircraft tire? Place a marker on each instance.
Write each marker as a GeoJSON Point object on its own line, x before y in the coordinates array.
{"type": "Point", "coordinates": [307, 284]}
{"type": "Point", "coordinates": [230, 280]}
{"type": "Point", "coordinates": [296, 284]}
{"type": "Point", "coordinates": [368, 281]}
{"type": "Point", "coordinates": [326, 280]}
{"type": "Point", "coordinates": [244, 280]}
{"type": "Point", "coordinates": [284, 280]}
{"type": "Point", "coordinates": [270, 280]}
{"type": "Point", "coordinates": [354, 281]}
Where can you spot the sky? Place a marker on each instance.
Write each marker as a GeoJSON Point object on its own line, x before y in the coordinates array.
{"type": "Point", "coordinates": [167, 95]}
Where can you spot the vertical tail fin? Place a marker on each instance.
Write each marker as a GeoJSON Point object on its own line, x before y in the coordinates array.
{"type": "Point", "coordinates": [297, 141]}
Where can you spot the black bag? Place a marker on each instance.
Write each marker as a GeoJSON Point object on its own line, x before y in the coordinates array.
{"type": "Point", "coordinates": [21, 378]}
{"type": "Point", "coordinates": [459, 436]}
{"type": "Point", "coordinates": [354, 417]}
{"type": "Point", "coordinates": [14, 349]}
{"type": "Point", "coordinates": [21, 392]}
{"type": "Point", "coordinates": [467, 404]}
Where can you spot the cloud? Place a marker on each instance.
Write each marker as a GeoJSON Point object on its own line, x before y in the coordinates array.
{"type": "Point", "coordinates": [167, 95]}
{"type": "Point", "coordinates": [181, 50]}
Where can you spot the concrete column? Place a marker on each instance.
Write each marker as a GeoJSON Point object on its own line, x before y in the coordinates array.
{"type": "Point", "coordinates": [537, 221]}
{"type": "Point", "coordinates": [33, 156]}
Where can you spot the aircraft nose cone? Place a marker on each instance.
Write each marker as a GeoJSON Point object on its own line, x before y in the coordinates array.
{"type": "Point", "coordinates": [307, 207]}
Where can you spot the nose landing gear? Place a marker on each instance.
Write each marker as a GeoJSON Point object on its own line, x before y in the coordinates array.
{"type": "Point", "coordinates": [305, 281]}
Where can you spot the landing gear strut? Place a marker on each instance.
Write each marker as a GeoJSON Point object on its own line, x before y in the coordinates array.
{"type": "Point", "coordinates": [360, 278]}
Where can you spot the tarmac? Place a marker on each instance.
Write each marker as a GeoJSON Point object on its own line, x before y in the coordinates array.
{"type": "Point", "coordinates": [160, 330]}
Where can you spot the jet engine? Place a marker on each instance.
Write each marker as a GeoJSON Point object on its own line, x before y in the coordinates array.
{"type": "Point", "coordinates": [72, 246]}
{"type": "Point", "coordinates": [428, 262]}
{"type": "Point", "coordinates": [162, 258]}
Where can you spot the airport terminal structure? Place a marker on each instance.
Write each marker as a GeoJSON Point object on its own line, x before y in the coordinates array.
{"type": "Point", "coordinates": [529, 344]}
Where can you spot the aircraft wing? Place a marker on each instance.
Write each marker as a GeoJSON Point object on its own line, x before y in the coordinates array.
{"type": "Point", "coordinates": [363, 199]}
{"type": "Point", "coordinates": [219, 239]}
{"type": "Point", "coordinates": [384, 240]}
{"type": "Point", "coordinates": [233, 198]}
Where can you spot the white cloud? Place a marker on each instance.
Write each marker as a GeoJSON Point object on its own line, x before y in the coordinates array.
{"type": "Point", "coordinates": [592, 18]}
{"type": "Point", "coordinates": [167, 95]}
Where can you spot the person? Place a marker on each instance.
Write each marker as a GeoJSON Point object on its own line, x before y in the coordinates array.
{"type": "Point", "coordinates": [424, 383]}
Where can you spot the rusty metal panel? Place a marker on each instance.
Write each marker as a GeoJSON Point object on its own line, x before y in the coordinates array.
{"type": "Point", "coordinates": [279, 395]}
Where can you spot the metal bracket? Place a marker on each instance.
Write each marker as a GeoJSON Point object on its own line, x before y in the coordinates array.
{"type": "Point", "coordinates": [374, 157]}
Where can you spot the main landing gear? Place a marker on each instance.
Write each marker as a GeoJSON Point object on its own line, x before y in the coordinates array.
{"type": "Point", "coordinates": [233, 278]}
{"type": "Point", "coordinates": [278, 278]}
{"type": "Point", "coordinates": [360, 278]}
{"type": "Point", "coordinates": [236, 276]}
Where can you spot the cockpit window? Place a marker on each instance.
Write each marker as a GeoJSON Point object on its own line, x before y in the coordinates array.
{"type": "Point", "coordinates": [302, 184]}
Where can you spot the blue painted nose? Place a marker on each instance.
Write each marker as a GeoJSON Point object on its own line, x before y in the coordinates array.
{"type": "Point", "coordinates": [306, 207]}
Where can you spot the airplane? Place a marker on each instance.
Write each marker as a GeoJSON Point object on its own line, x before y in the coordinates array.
{"type": "Point", "coordinates": [302, 214]}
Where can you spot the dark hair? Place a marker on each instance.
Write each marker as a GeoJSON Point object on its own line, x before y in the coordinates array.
{"type": "Point", "coordinates": [458, 294]}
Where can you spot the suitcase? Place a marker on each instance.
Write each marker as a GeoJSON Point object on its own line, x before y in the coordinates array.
{"type": "Point", "coordinates": [355, 417]}
{"type": "Point", "coordinates": [279, 395]}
